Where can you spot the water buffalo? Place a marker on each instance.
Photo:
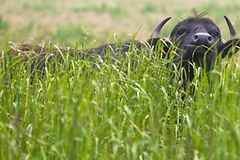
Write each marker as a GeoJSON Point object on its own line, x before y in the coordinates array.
{"type": "Point", "coordinates": [197, 40]}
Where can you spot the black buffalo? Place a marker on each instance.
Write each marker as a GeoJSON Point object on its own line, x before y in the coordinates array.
{"type": "Point", "coordinates": [197, 40]}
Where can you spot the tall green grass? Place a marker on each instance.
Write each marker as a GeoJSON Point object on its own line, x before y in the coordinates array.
{"type": "Point", "coordinates": [115, 109]}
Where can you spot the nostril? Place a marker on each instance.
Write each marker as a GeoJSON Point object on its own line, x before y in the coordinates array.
{"type": "Point", "coordinates": [195, 37]}
{"type": "Point", "coordinates": [210, 38]}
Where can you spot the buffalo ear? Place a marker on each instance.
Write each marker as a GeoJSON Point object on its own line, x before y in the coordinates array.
{"type": "Point", "coordinates": [161, 46]}
{"type": "Point", "coordinates": [229, 48]}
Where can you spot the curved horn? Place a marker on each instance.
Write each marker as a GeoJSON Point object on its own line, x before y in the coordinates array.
{"type": "Point", "coordinates": [157, 29]}
{"type": "Point", "coordinates": [233, 33]}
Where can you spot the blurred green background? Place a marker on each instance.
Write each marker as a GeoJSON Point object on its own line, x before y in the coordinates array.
{"type": "Point", "coordinates": [96, 22]}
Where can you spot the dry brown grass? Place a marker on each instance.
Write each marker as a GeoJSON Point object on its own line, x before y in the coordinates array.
{"type": "Point", "coordinates": [40, 19]}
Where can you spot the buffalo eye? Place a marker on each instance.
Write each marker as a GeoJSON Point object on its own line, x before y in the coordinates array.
{"type": "Point", "coordinates": [181, 32]}
{"type": "Point", "coordinates": [216, 34]}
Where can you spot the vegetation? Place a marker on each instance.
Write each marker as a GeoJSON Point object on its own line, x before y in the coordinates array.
{"type": "Point", "coordinates": [113, 109]}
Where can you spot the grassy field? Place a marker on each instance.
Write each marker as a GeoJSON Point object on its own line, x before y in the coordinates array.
{"type": "Point", "coordinates": [86, 109]}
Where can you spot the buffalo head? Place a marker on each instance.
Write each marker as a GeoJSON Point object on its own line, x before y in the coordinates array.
{"type": "Point", "coordinates": [197, 41]}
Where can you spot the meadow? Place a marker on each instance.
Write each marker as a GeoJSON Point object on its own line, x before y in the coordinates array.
{"type": "Point", "coordinates": [84, 109]}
